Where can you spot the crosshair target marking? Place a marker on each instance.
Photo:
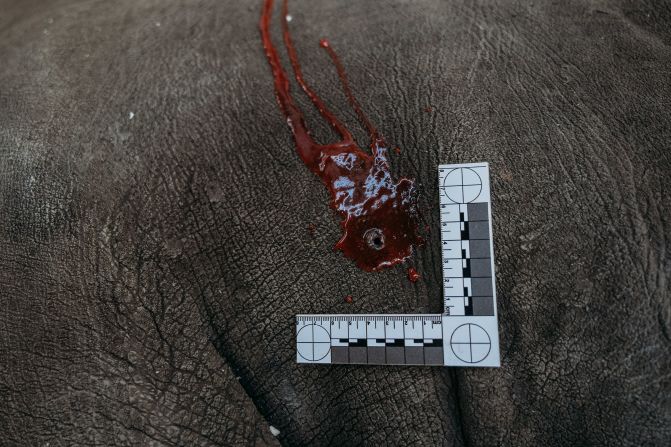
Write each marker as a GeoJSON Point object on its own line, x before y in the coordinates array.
{"type": "Point", "coordinates": [314, 342]}
{"type": "Point", "coordinates": [462, 185]}
{"type": "Point", "coordinates": [470, 343]}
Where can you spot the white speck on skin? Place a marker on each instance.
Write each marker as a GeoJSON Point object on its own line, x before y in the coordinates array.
{"type": "Point", "coordinates": [289, 18]}
{"type": "Point", "coordinates": [274, 431]}
{"type": "Point", "coordinates": [157, 23]}
{"type": "Point", "coordinates": [131, 115]}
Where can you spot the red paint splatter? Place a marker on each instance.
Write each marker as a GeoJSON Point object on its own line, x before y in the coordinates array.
{"type": "Point", "coordinates": [413, 276]}
{"type": "Point", "coordinates": [349, 299]}
{"type": "Point", "coordinates": [311, 229]}
{"type": "Point", "coordinates": [428, 109]}
{"type": "Point", "coordinates": [379, 215]}
{"type": "Point", "coordinates": [397, 150]}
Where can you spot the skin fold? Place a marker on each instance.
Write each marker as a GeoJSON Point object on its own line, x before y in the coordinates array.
{"type": "Point", "coordinates": [159, 231]}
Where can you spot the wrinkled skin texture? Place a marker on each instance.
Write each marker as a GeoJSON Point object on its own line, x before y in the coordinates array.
{"type": "Point", "coordinates": [147, 263]}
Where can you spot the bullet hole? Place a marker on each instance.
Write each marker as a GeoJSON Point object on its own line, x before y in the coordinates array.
{"type": "Point", "coordinates": [374, 238]}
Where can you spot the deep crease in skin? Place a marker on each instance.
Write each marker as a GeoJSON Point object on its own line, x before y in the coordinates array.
{"type": "Point", "coordinates": [380, 216]}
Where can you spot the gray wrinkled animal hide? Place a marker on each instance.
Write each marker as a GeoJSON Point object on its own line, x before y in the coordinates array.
{"type": "Point", "coordinates": [154, 245]}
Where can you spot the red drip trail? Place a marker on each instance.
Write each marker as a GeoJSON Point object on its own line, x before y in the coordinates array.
{"type": "Point", "coordinates": [379, 215]}
{"type": "Point", "coordinates": [375, 138]}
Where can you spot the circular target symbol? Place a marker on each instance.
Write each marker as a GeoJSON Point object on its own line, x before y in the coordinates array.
{"type": "Point", "coordinates": [314, 342]}
{"type": "Point", "coordinates": [462, 185]}
{"type": "Point", "coordinates": [470, 343]}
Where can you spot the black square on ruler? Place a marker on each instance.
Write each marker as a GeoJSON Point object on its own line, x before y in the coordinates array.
{"type": "Point", "coordinates": [414, 355]}
{"type": "Point", "coordinates": [433, 356]}
{"type": "Point", "coordinates": [478, 211]}
{"type": "Point", "coordinates": [395, 356]}
{"type": "Point", "coordinates": [358, 355]}
{"type": "Point", "coordinates": [339, 354]}
{"type": "Point", "coordinates": [376, 355]}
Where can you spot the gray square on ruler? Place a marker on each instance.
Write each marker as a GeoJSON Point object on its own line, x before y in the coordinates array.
{"type": "Point", "coordinates": [478, 249]}
{"type": "Point", "coordinates": [358, 355]}
{"type": "Point", "coordinates": [481, 287]}
{"type": "Point", "coordinates": [483, 305]}
{"type": "Point", "coordinates": [478, 230]}
{"type": "Point", "coordinates": [481, 267]}
{"type": "Point", "coordinates": [433, 355]}
{"type": "Point", "coordinates": [477, 211]}
{"type": "Point", "coordinates": [414, 355]}
{"type": "Point", "coordinates": [376, 355]}
{"type": "Point", "coordinates": [339, 354]}
{"type": "Point", "coordinates": [395, 355]}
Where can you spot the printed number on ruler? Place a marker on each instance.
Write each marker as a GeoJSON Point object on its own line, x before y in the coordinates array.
{"type": "Point", "coordinates": [466, 334]}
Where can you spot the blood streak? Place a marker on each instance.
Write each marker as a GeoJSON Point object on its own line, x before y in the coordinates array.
{"type": "Point", "coordinates": [413, 276]}
{"type": "Point", "coordinates": [379, 215]}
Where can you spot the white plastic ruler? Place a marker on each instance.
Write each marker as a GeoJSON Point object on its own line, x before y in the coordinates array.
{"type": "Point", "coordinates": [465, 334]}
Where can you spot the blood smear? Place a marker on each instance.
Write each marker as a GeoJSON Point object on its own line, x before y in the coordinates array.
{"type": "Point", "coordinates": [379, 215]}
{"type": "Point", "coordinates": [413, 276]}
